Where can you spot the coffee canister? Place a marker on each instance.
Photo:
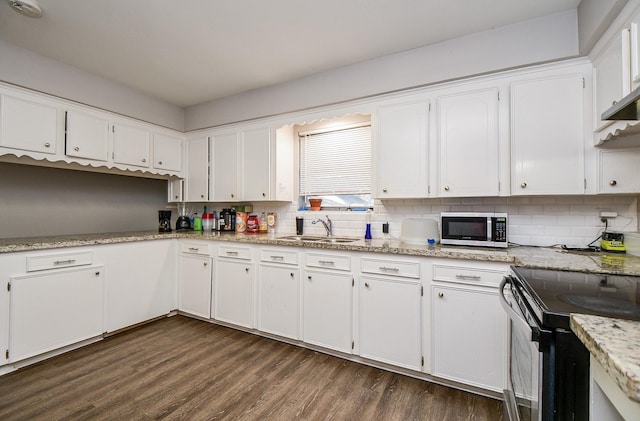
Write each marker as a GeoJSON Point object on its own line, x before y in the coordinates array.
{"type": "Point", "coordinates": [241, 221]}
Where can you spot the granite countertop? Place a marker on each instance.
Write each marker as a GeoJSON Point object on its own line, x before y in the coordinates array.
{"type": "Point", "coordinates": [535, 257]}
{"type": "Point", "coordinates": [615, 344]}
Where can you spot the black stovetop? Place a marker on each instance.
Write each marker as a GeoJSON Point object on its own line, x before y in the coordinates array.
{"type": "Point", "coordinates": [554, 294]}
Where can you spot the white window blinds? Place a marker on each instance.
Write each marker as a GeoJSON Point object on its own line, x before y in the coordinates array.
{"type": "Point", "coordinates": [336, 162]}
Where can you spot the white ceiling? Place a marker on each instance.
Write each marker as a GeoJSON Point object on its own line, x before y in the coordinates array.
{"type": "Point", "coordinates": [189, 52]}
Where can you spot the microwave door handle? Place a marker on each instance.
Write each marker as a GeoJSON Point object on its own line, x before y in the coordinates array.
{"type": "Point", "coordinates": [489, 229]}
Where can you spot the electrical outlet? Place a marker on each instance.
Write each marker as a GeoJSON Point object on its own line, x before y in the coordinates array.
{"type": "Point", "coordinates": [607, 215]}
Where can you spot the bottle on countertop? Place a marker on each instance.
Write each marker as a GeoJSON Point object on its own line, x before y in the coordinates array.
{"type": "Point", "coordinates": [272, 220]}
{"type": "Point", "coordinates": [262, 223]}
{"type": "Point", "coordinates": [367, 232]}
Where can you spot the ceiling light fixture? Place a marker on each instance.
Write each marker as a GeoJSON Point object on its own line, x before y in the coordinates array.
{"type": "Point", "coordinates": [26, 7]}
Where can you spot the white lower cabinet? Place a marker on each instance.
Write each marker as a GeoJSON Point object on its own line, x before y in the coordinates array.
{"type": "Point", "coordinates": [390, 316]}
{"type": "Point", "coordinates": [194, 284]}
{"type": "Point", "coordinates": [233, 292]}
{"type": "Point", "coordinates": [328, 309]}
{"type": "Point", "coordinates": [468, 327]}
{"type": "Point", "coordinates": [140, 281]}
{"type": "Point", "coordinates": [55, 308]}
{"type": "Point", "coordinates": [279, 300]}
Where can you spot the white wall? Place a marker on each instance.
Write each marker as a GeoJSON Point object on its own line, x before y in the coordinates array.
{"type": "Point", "coordinates": [27, 69]}
{"type": "Point", "coordinates": [38, 201]}
{"type": "Point", "coordinates": [548, 38]}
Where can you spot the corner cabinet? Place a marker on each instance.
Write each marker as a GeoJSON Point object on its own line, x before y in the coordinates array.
{"type": "Point", "coordinates": [467, 127]}
{"type": "Point", "coordinates": [547, 135]}
{"type": "Point", "coordinates": [401, 150]}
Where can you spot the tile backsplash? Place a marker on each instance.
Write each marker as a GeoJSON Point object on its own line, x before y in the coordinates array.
{"type": "Point", "coordinates": [534, 221]}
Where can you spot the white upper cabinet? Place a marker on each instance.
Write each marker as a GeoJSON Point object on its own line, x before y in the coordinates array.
{"type": "Point", "coordinates": [28, 124]}
{"type": "Point", "coordinates": [224, 171]}
{"type": "Point", "coordinates": [467, 136]}
{"type": "Point", "coordinates": [635, 51]}
{"type": "Point", "coordinates": [256, 163]}
{"type": "Point", "coordinates": [196, 186]}
{"type": "Point", "coordinates": [167, 152]}
{"type": "Point", "coordinates": [401, 150]}
{"type": "Point", "coordinates": [547, 135]}
{"type": "Point", "coordinates": [87, 135]}
{"type": "Point", "coordinates": [131, 145]}
{"type": "Point", "coordinates": [618, 171]}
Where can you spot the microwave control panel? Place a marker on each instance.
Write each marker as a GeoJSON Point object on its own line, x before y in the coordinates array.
{"type": "Point", "coordinates": [499, 229]}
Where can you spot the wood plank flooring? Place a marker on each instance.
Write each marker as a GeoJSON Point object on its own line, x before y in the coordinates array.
{"type": "Point", "coordinates": [180, 368]}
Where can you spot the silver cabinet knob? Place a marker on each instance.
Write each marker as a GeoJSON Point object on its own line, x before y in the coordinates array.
{"type": "Point", "coordinates": [366, 284]}
{"type": "Point", "coordinates": [523, 185]}
{"type": "Point", "coordinates": [291, 274]}
{"type": "Point", "coordinates": [144, 160]}
{"type": "Point", "coordinates": [205, 264]}
{"type": "Point", "coordinates": [159, 162]}
{"type": "Point", "coordinates": [76, 149]}
{"type": "Point", "coordinates": [309, 277]}
{"type": "Point", "coordinates": [264, 195]}
{"type": "Point", "coordinates": [384, 190]}
{"type": "Point", "coordinates": [446, 188]}
{"type": "Point", "coordinates": [441, 294]}
{"type": "Point", "coordinates": [202, 196]}
{"type": "Point", "coordinates": [246, 270]}
{"type": "Point", "coordinates": [613, 183]}
{"type": "Point", "coordinates": [46, 145]}
{"type": "Point", "coordinates": [232, 195]}
{"type": "Point", "coordinates": [176, 196]}
{"type": "Point", "coordinates": [97, 273]}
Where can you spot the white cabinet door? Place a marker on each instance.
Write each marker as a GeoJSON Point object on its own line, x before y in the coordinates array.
{"type": "Point", "coordinates": [225, 168]}
{"type": "Point", "coordinates": [618, 171]}
{"type": "Point", "coordinates": [256, 164]}
{"type": "Point", "coordinates": [468, 337]}
{"type": "Point", "coordinates": [635, 51]}
{"type": "Point", "coordinates": [233, 292]}
{"type": "Point", "coordinates": [197, 179]}
{"type": "Point", "coordinates": [175, 192]}
{"type": "Point", "coordinates": [194, 294]}
{"type": "Point", "coordinates": [167, 152]}
{"type": "Point", "coordinates": [279, 300]}
{"type": "Point", "coordinates": [611, 77]}
{"type": "Point", "coordinates": [401, 150]}
{"type": "Point", "coordinates": [52, 309]}
{"type": "Point", "coordinates": [131, 145]}
{"type": "Point", "coordinates": [328, 310]}
{"type": "Point", "coordinates": [87, 136]}
{"type": "Point", "coordinates": [468, 140]}
{"type": "Point", "coordinates": [28, 125]}
{"type": "Point", "coordinates": [547, 136]}
{"type": "Point", "coordinates": [390, 321]}
{"type": "Point", "coordinates": [141, 282]}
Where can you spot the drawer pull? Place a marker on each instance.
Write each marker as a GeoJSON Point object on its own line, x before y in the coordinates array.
{"type": "Point", "coordinates": [277, 258]}
{"type": "Point", "coordinates": [232, 253]}
{"type": "Point", "coordinates": [64, 262]}
{"type": "Point", "coordinates": [327, 262]}
{"type": "Point", "coordinates": [388, 269]}
{"type": "Point", "coordinates": [194, 248]}
{"type": "Point", "coordinates": [469, 277]}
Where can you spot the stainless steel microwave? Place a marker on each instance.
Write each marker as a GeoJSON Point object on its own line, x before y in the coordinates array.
{"type": "Point", "coordinates": [484, 229]}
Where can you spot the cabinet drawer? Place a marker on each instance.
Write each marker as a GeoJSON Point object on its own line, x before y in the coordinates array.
{"type": "Point", "coordinates": [391, 267]}
{"type": "Point", "coordinates": [467, 275]}
{"type": "Point", "coordinates": [234, 252]}
{"type": "Point", "coordinates": [329, 261]}
{"type": "Point", "coordinates": [195, 248]}
{"type": "Point", "coordinates": [279, 256]}
{"type": "Point", "coordinates": [60, 260]}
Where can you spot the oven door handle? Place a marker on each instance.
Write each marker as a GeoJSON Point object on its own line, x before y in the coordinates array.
{"type": "Point", "coordinates": [541, 336]}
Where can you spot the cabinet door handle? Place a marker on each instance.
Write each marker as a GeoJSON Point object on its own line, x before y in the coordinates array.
{"type": "Point", "coordinates": [326, 262]}
{"type": "Point", "coordinates": [205, 264]}
{"type": "Point", "coordinates": [46, 145]}
{"type": "Point", "coordinates": [441, 294]}
{"type": "Point", "coordinates": [384, 190]}
{"type": "Point", "coordinates": [246, 270]}
{"type": "Point", "coordinates": [76, 149]}
{"type": "Point", "coordinates": [613, 183]}
{"type": "Point", "coordinates": [388, 269]}
{"type": "Point", "coordinates": [98, 273]}
{"type": "Point", "coordinates": [523, 185]}
{"type": "Point", "coordinates": [446, 188]}
{"type": "Point", "coordinates": [232, 195]}
{"type": "Point", "coordinates": [64, 262]}
{"type": "Point", "coordinates": [291, 274]}
{"type": "Point", "coordinates": [193, 249]}
{"type": "Point", "coordinates": [366, 284]}
{"type": "Point", "coordinates": [469, 277]}
{"type": "Point", "coordinates": [264, 195]}
{"type": "Point", "coordinates": [144, 160]}
{"type": "Point", "coordinates": [159, 162]}
{"type": "Point", "coordinates": [309, 277]}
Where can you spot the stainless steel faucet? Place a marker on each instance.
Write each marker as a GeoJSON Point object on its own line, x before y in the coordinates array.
{"type": "Point", "coordinates": [327, 225]}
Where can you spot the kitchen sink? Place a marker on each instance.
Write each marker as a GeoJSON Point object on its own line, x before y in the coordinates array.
{"type": "Point", "coordinates": [317, 239]}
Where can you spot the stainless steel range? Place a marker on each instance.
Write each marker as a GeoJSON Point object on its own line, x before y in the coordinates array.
{"type": "Point", "coordinates": [548, 365]}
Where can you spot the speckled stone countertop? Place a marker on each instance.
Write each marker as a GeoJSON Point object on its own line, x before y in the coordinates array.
{"type": "Point", "coordinates": [536, 257]}
{"type": "Point", "coordinates": [615, 344]}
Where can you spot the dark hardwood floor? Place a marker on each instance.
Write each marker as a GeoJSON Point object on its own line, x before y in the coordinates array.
{"type": "Point", "coordinates": [180, 368]}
